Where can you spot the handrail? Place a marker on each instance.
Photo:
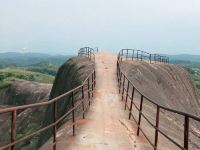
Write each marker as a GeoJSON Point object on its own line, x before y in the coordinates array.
{"type": "Point", "coordinates": [132, 54]}
{"type": "Point", "coordinates": [125, 90]}
{"type": "Point", "coordinates": [89, 82]}
{"type": "Point", "coordinates": [87, 51]}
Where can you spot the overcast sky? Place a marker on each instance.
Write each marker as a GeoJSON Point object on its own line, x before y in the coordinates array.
{"type": "Point", "coordinates": [63, 26]}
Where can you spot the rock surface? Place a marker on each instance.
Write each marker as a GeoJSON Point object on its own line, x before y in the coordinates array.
{"type": "Point", "coordinates": [22, 92]}
{"type": "Point", "coordinates": [167, 84]}
{"type": "Point", "coordinates": [19, 93]}
{"type": "Point", "coordinates": [106, 125]}
{"type": "Point", "coordinates": [170, 86]}
{"type": "Point", "coordinates": [70, 75]}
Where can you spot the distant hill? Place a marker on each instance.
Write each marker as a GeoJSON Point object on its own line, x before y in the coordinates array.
{"type": "Point", "coordinates": [184, 58]}
{"type": "Point", "coordinates": [14, 59]}
{"type": "Point", "coordinates": [44, 67]}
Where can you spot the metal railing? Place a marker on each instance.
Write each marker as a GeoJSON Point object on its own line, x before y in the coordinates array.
{"type": "Point", "coordinates": [132, 54]}
{"type": "Point", "coordinates": [87, 51]}
{"type": "Point", "coordinates": [128, 90]}
{"type": "Point", "coordinates": [86, 87]}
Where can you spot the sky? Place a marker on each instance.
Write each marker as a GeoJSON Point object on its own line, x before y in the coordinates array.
{"type": "Point", "coordinates": [64, 26]}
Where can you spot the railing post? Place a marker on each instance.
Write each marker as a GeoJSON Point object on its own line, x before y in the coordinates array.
{"type": "Point", "coordinates": [141, 55]}
{"type": "Point", "coordinates": [118, 72]}
{"type": "Point", "coordinates": [83, 104]}
{"type": "Point", "coordinates": [119, 75]}
{"type": "Point", "coordinates": [133, 54]}
{"type": "Point", "coordinates": [90, 54]}
{"type": "Point", "coordinates": [157, 126]}
{"type": "Point", "coordinates": [137, 54]}
{"type": "Point", "coordinates": [94, 78]}
{"type": "Point", "coordinates": [132, 97]}
{"type": "Point", "coordinates": [88, 51]}
{"type": "Point", "coordinates": [54, 127]}
{"type": "Point", "coordinates": [89, 90]}
{"type": "Point", "coordinates": [140, 114]}
{"type": "Point", "coordinates": [126, 54]}
{"type": "Point", "coordinates": [122, 54]}
{"type": "Point", "coordinates": [186, 132]}
{"type": "Point", "coordinates": [92, 83]}
{"type": "Point", "coordinates": [85, 49]}
{"type": "Point", "coordinates": [120, 81]}
{"type": "Point", "coordinates": [73, 114]}
{"type": "Point", "coordinates": [123, 88]}
{"type": "Point", "coordinates": [150, 58]}
{"type": "Point", "coordinates": [13, 128]}
{"type": "Point", "coordinates": [126, 95]}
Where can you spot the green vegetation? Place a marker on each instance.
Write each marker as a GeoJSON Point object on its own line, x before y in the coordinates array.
{"type": "Point", "coordinates": [184, 58]}
{"type": "Point", "coordinates": [192, 66]}
{"type": "Point", "coordinates": [12, 59]}
{"type": "Point", "coordinates": [195, 74]}
{"type": "Point", "coordinates": [7, 75]}
{"type": "Point", "coordinates": [36, 67]}
{"type": "Point", "coordinates": [44, 67]}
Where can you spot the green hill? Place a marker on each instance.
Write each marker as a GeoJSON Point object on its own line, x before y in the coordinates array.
{"type": "Point", "coordinates": [13, 59]}
{"type": "Point", "coordinates": [7, 75]}
{"type": "Point", "coordinates": [44, 67]}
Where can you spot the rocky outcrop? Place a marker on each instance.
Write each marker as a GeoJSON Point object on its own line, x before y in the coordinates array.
{"type": "Point", "coordinates": [70, 75]}
{"type": "Point", "coordinates": [22, 92]}
{"type": "Point", "coordinates": [167, 84]}
{"type": "Point", "coordinates": [170, 86]}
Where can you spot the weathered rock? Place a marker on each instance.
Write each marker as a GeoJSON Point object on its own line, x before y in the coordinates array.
{"type": "Point", "coordinates": [170, 86]}
{"type": "Point", "coordinates": [70, 75]}
{"type": "Point", "coordinates": [167, 84]}
{"type": "Point", "coordinates": [22, 92]}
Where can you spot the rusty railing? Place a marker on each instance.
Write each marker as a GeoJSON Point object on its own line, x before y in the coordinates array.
{"type": "Point", "coordinates": [86, 87]}
{"type": "Point", "coordinates": [132, 54]}
{"type": "Point", "coordinates": [89, 52]}
{"type": "Point", "coordinates": [128, 90]}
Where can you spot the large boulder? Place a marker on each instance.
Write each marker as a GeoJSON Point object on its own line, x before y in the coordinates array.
{"type": "Point", "coordinates": [22, 92]}
{"type": "Point", "coordinates": [170, 86]}
{"type": "Point", "coordinates": [70, 75]}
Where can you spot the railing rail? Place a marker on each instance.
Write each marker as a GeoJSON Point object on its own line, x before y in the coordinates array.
{"type": "Point", "coordinates": [125, 89]}
{"type": "Point", "coordinates": [132, 54]}
{"type": "Point", "coordinates": [89, 83]}
{"type": "Point", "coordinates": [89, 52]}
